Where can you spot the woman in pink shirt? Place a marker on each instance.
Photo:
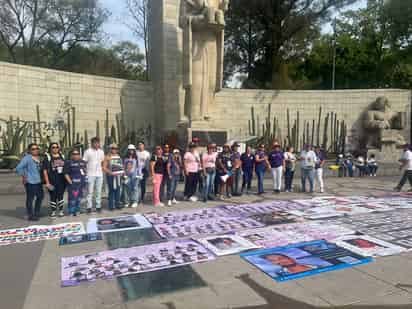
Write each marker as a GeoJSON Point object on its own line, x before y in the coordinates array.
{"type": "Point", "coordinates": [191, 167]}
{"type": "Point", "coordinates": [209, 172]}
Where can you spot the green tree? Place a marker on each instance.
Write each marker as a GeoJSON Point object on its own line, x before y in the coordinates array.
{"type": "Point", "coordinates": [27, 25]}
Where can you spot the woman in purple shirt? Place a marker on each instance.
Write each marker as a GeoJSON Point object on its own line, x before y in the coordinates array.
{"type": "Point", "coordinates": [277, 163]}
{"type": "Point", "coordinates": [261, 163]}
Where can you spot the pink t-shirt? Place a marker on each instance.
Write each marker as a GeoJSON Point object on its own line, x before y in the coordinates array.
{"type": "Point", "coordinates": [192, 162]}
{"type": "Point", "coordinates": [209, 160]}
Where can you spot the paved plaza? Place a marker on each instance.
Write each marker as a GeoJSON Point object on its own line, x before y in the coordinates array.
{"type": "Point", "coordinates": [30, 273]}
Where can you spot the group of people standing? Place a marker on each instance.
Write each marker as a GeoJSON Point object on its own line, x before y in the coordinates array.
{"type": "Point", "coordinates": [209, 175]}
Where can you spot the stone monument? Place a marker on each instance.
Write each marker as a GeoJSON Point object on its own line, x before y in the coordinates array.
{"type": "Point", "coordinates": [383, 128]}
{"type": "Point", "coordinates": [202, 22]}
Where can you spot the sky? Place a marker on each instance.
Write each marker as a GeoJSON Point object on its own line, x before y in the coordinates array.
{"type": "Point", "coordinates": [117, 31]}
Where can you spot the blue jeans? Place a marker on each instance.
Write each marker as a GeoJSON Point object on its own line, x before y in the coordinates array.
{"type": "Point", "coordinates": [208, 184]}
{"type": "Point", "coordinates": [114, 184]}
{"type": "Point", "coordinates": [166, 182]}
{"type": "Point", "coordinates": [236, 181]}
{"type": "Point", "coordinates": [75, 195]}
{"type": "Point", "coordinates": [307, 173]}
{"type": "Point", "coordinates": [260, 173]}
{"type": "Point", "coordinates": [247, 179]}
{"type": "Point", "coordinates": [289, 173]}
{"type": "Point", "coordinates": [130, 191]}
{"type": "Point", "coordinates": [373, 169]}
{"type": "Point", "coordinates": [173, 186]}
{"type": "Point", "coordinates": [33, 191]}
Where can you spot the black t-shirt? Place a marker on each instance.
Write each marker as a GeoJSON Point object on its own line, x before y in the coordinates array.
{"type": "Point", "coordinates": [166, 157]}
{"type": "Point", "coordinates": [55, 169]}
{"type": "Point", "coordinates": [160, 164]}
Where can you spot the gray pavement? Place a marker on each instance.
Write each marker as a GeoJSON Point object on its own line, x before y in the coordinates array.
{"type": "Point", "coordinates": [30, 273]}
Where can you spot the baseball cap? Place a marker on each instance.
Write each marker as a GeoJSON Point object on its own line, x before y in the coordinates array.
{"type": "Point", "coordinates": [131, 147]}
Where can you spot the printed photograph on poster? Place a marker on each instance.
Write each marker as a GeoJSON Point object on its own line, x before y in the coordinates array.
{"type": "Point", "coordinates": [368, 246]}
{"type": "Point", "coordinates": [121, 223]}
{"type": "Point", "coordinates": [303, 259]}
{"type": "Point", "coordinates": [203, 227]}
{"type": "Point", "coordinates": [40, 232]}
{"type": "Point", "coordinates": [185, 215]}
{"type": "Point", "coordinates": [226, 244]}
{"type": "Point", "coordinates": [277, 217]}
{"type": "Point", "coordinates": [126, 261]}
{"type": "Point", "coordinates": [76, 239]}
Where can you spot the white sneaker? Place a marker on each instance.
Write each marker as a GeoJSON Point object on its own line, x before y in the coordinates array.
{"type": "Point", "coordinates": [321, 190]}
{"type": "Point", "coordinates": [174, 201]}
{"type": "Point", "coordinates": [169, 203]}
{"type": "Point", "coordinates": [193, 198]}
{"type": "Point", "coordinates": [134, 205]}
{"type": "Point", "coordinates": [160, 205]}
{"type": "Point", "coordinates": [61, 213]}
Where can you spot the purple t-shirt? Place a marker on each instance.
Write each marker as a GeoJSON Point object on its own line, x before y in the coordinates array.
{"type": "Point", "coordinates": [276, 158]}
{"type": "Point", "coordinates": [260, 165]}
{"type": "Point", "coordinates": [247, 161]}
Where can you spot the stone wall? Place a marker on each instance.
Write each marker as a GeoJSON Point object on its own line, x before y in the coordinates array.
{"type": "Point", "coordinates": [232, 109]}
{"type": "Point", "coordinates": [23, 87]}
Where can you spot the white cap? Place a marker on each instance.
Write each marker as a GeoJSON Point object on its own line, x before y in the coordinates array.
{"type": "Point", "coordinates": [341, 156]}
{"type": "Point", "coordinates": [131, 147]}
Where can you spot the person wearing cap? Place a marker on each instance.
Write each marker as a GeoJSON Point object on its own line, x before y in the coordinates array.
{"type": "Point", "coordinates": [320, 161]}
{"type": "Point", "coordinates": [307, 164]}
{"type": "Point", "coordinates": [237, 169]}
{"type": "Point", "coordinates": [224, 171]}
{"type": "Point", "coordinates": [157, 169]}
{"type": "Point", "coordinates": [166, 182]}
{"type": "Point", "coordinates": [174, 171]}
{"type": "Point", "coordinates": [143, 157]}
{"type": "Point", "coordinates": [94, 157]}
{"type": "Point", "coordinates": [209, 172]}
{"type": "Point", "coordinates": [113, 167]}
{"type": "Point", "coordinates": [191, 170]}
{"type": "Point", "coordinates": [261, 165]}
{"type": "Point", "coordinates": [248, 162]}
{"type": "Point", "coordinates": [75, 174]}
{"type": "Point", "coordinates": [405, 165]}
{"type": "Point", "coordinates": [340, 161]}
{"type": "Point", "coordinates": [277, 163]}
{"type": "Point", "coordinates": [131, 178]}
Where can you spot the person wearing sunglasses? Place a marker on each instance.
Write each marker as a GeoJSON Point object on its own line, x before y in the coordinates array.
{"type": "Point", "coordinates": [53, 165]}
{"type": "Point", "coordinates": [113, 167]}
{"type": "Point", "coordinates": [30, 169]}
{"type": "Point", "coordinates": [75, 174]}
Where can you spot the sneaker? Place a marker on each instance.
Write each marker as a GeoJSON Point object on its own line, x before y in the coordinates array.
{"type": "Point", "coordinates": [160, 205]}
{"type": "Point", "coordinates": [397, 189]}
{"type": "Point", "coordinates": [174, 201]}
{"type": "Point", "coordinates": [193, 199]}
{"type": "Point", "coordinates": [89, 211]}
{"type": "Point", "coordinates": [99, 210]}
{"type": "Point", "coordinates": [61, 213]}
{"type": "Point", "coordinates": [229, 195]}
{"type": "Point", "coordinates": [53, 214]}
{"type": "Point", "coordinates": [134, 205]}
{"type": "Point", "coordinates": [169, 203]}
{"type": "Point", "coordinates": [321, 191]}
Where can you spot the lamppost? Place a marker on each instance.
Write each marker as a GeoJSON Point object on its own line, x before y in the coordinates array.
{"type": "Point", "coordinates": [334, 55]}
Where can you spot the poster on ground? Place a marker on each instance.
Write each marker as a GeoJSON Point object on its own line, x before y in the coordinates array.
{"type": "Point", "coordinates": [114, 224]}
{"type": "Point", "coordinates": [285, 234]}
{"type": "Point", "coordinates": [247, 210]}
{"type": "Point", "coordinates": [368, 246]}
{"type": "Point", "coordinates": [226, 244]}
{"type": "Point", "coordinates": [185, 215]}
{"type": "Point", "coordinates": [303, 259]}
{"type": "Point", "coordinates": [40, 232]}
{"type": "Point", "coordinates": [277, 217]}
{"type": "Point", "coordinates": [330, 211]}
{"type": "Point", "coordinates": [126, 261]}
{"type": "Point", "coordinates": [394, 227]}
{"type": "Point", "coordinates": [76, 239]}
{"type": "Point", "coordinates": [204, 227]}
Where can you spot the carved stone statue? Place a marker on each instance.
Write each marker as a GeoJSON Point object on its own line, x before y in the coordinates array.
{"type": "Point", "coordinates": [382, 125]}
{"type": "Point", "coordinates": [203, 24]}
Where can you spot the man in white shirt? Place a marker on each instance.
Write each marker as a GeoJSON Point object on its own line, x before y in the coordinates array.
{"type": "Point", "coordinates": [143, 157]}
{"type": "Point", "coordinates": [406, 165]}
{"type": "Point", "coordinates": [94, 158]}
{"type": "Point", "coordinates": [307, 164]}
